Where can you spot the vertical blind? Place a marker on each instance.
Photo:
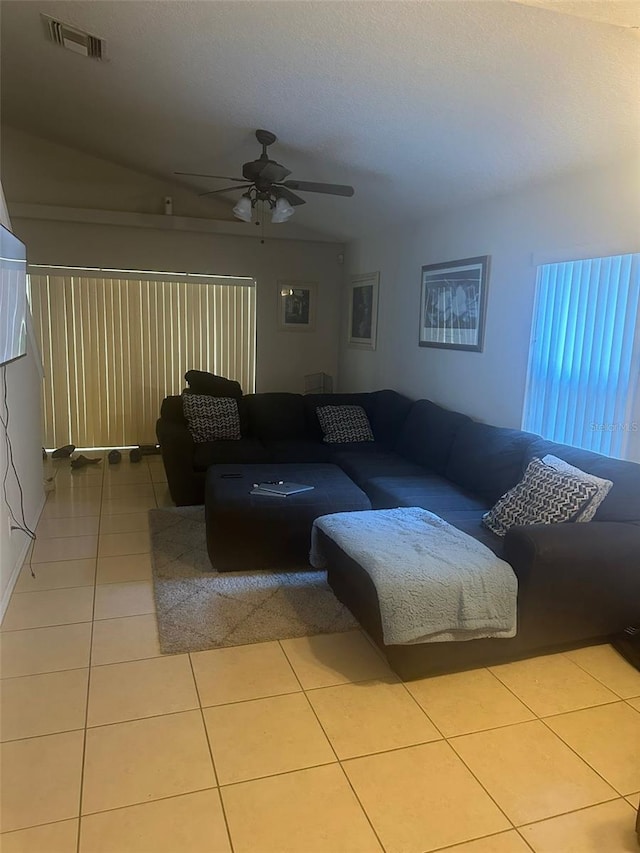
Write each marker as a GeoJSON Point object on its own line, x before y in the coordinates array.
{"type": "Point", "coordinates": [584, 361]}
{"type": "Point", "coordinates": [114, 347]}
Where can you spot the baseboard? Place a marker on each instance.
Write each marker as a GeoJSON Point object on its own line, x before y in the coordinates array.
{"type": "Point", "coordinates": [4, 602]}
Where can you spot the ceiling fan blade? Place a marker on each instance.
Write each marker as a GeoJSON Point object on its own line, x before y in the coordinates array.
{"type": "Point", "coordinates": [309, 187]}
{"type": "Point", "coordinates": [199, 175]}
{"type": "Point", "coordinates": [226, 189]}
{"type": "Point", "coordinates": [273, 172]}
{"type": "Point", "coordinates": [292, 198]}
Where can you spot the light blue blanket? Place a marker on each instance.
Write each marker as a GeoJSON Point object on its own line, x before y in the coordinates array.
{"type": "Point", "coordinates": [434, 582]}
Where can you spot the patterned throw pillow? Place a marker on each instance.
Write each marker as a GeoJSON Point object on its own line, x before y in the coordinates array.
{"type": "Point", "coordinates": [543, 496]}
{"type": "Point", "coordinates": [344, 424]}
{"type": "Point", "coordinates": [604, 486]}
{"type": "Point", "coordinates": [211, 418]}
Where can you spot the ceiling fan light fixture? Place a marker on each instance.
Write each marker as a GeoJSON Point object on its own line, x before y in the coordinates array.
{"type": "Point", "coordinates": [282, 211]}
{"type": "Point", "coordinates": [243, 209]}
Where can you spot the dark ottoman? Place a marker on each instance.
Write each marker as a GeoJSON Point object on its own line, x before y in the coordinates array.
{"type": "Point", "coordinates": [246, 531]}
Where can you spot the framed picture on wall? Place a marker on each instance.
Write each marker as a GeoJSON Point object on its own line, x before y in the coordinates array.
{"type": "Point", "coordinates": [453, 301]}
{"type": "Point", "coordinates": [297, 305]}
{"type": "Point", "coordinates": [363, 310]}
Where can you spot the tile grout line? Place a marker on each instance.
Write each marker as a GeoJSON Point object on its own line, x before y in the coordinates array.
{"type": "Point", "coordinates": [482, 785]}
{"type": "Point", "coordinates": [553, 716]}
{"type": "Point", "coordinates": [86, 714]}
{"type": "Point", "coordinates": [595, 677]}
{"type": "Point", "coordinates": [84, 586]}
{"type": "Point", "coordinates": [345, 775]}
{"type": "Point", "coordinates": [136, 804]}
{"type": "Point", "coordinates": [572, 811]}
{"type": "Point", "coordinates": [558, 713]}
{"type": "Point", "coordinates": [549, 729]}
{"type": "Point", "coordinates": [584, 761]}
{"type": "Point", "coordinates": [48, 672]}
{"type": "Point", "coordinates": [618, 795]}
{"type": "Point", "coordinates": [424, 711]}
{"type": "Point", "coordinates": [446, 740]}
{"type": "Point", "coordinates": [577, 754]}
{"type": "Point", "coordinates": [473, 840]}
{"type": "Point", "coordinates": [86, 729]}
{"type": "Point", "coordinates": [213, 763]}
{"type": "Point", "coordinates": [8, 832]}
{"type": "Point", "coordinates": [553, 654]}
{"type": "Point", "coordinates": [536, 717]}
{"type": "Point", "coordinates": [5, 631]}
{"type": "Point", "coordinates": [524, 840]}
{"type": "Point", "coordinates": [328, 739]}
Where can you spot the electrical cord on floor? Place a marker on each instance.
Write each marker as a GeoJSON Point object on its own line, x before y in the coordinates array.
{"type": "Point", "coordinates": [10, 465]}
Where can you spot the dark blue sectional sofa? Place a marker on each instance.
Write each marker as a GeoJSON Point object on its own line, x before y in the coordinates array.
{"type": "Point", "coordinates": [578, 583]}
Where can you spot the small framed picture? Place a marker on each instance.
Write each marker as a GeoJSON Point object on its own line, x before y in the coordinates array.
{"type": "Point", "coordinates": [297, 305]}
{"type": "Point", "coordinates": [453, 301]}
{"type": "Point", "coordinates": [363, 310]}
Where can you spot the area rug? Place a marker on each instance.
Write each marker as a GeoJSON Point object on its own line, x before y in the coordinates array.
{"type": "Point", "coordinates": [198, 608]}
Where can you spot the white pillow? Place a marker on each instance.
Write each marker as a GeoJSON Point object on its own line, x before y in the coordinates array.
{"type": "Point", "coordinates": [604, 486]}
{"type": "Point", "coordinates": [543, 496]}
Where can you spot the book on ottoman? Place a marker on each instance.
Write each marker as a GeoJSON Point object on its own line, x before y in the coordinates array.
{"type": "Point", "coordinates": [280, 489]}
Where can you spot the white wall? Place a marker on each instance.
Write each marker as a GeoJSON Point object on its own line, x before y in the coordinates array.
{"type": "Point", "coordinates": [581, 215]}
{"type": "Point", "coordinates": [38, 171]}
{"type": "Point", "coordinates": [23, 399]}
{"type": "Point", "coordinates": [41, 173]}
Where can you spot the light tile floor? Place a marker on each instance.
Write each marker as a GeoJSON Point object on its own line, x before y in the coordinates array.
{"type": "Point", "coordinates": [309, 745]}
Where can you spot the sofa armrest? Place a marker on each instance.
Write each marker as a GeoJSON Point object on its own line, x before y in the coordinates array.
{"type": "Point", "coordinates": [177, 447]}
{"type": "Point", "coordinates": [578, 579]}
{"type": "Point", "coordinates": [605, 546]}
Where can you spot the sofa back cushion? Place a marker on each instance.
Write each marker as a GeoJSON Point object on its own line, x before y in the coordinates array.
{"type": "Point", "coordinates": [313, 401]}
{"type": "Point", "coordinates": [623, 501]}
{"type": "Point", "coordinates": [201, 382]}
{"type": "Point", "coordinates": [391, 410]}
{"type": "Point", "coordinates": [428, 434]}
{"type": "Point", "coordinates": [276, 416]}
{"type": "Point", "coordinates": [488, 460]}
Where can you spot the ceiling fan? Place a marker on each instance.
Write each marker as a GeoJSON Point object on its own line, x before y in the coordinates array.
{"type": "Point", "coordinates": [264, 180]}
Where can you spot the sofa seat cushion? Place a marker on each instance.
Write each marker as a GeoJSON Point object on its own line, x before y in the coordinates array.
{"type": "Point", "coordinates": [297, 450]}
{"type": "Point", "coordinates": [488, 460]}
{"type": "Point", "coordinates": [471, 523]}
{"type": "Point", "coordinates": [370, 459]}
{"type": "Point", "coordinates": [429, 491]}
{"type": "Point", "coordinates": [245, 450]}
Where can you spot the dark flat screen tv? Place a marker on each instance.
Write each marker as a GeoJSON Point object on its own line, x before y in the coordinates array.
{"type": "Point", "coordinates": [13, 297]}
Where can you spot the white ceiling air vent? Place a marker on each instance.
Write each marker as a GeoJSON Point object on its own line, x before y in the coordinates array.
{"type": "Point", "coordinates": [73, 39]}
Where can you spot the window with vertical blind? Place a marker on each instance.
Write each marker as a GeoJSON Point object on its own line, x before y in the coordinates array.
{"type": "Point", "coordinates": [584, 361]}
{"type": "Point", "coordinates": [114, 344]}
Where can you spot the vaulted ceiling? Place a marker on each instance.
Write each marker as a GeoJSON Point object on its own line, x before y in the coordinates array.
{"type": "Point", "coordinates": [419, 105]}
